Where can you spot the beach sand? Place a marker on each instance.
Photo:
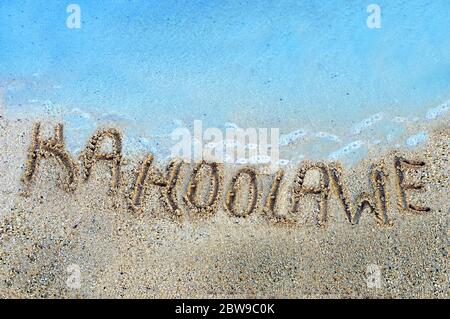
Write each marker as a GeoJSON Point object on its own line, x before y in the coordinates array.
{"type": "Point", "coordinates": [48, 233]}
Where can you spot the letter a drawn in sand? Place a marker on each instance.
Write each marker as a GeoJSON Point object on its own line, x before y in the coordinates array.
{"type": "Point", "coordinates": [44, 149]}
{"type": "Point", "coordinates": [299, 190]}
{"type": "Point", "coordinates": [93, 154]}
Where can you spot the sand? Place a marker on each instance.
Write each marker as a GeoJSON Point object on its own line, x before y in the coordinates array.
{"type": "Point", "coordinates": [207, 233]}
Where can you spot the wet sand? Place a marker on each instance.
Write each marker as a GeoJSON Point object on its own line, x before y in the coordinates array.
{"type": "Point", "coordinates": [139, 231]}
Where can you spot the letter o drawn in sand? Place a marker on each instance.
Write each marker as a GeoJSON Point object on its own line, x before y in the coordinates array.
{"type": "Point", "coordinates": [193, 195]}
{"type": "Point", "coordinates": [235, 188]}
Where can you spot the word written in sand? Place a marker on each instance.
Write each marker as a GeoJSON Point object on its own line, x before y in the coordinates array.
{"type": "Point", "coordinates": [245, 193]}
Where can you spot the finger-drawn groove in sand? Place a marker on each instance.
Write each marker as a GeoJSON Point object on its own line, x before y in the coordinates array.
{"type": "Point", "coordinates": [272, 197]}
{"type": "Point", "coordinates": [205, 184]}
{"type": "Point", "coordinates": [235, 189]}
{"type": "Point", "coordinates": [403, 185]}
{"type": "Point", "coordinates": [170, 190]}
{"type": "Point", "coordinates": [193, 197]}
{"type": "Point", "coordinates": [93, 154]}
{"type": "Point", "coordinates": [299, 190]}
{"type": "Point", "coordinates": [376, 203]}
{"type": "Point", "coordinates": [44, 149]}
{"type": "Point", "coordinates": [145, 177]}
{"type": "Point", "coordinates": [378, 180]}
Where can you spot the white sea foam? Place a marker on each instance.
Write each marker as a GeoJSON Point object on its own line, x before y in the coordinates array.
{"type": "Point", "coordinates": [251, 146]}
{"type": "Point", "coordinates": [390, 138]}
{"type": "Point", "coordinates": [416, 139]}
{"type": "Point", "coordinates": [211, 145]}
{"type": "Point", "coordinates": [399, 119]}
{"type": "Point", "coordinates": [376, 142]}
{"type": "Point", "coordinates": [259, 159]}
{"type": "Point", "coordinates": [346, 149]}
{"type": "Point", "coordinates": [364, 124]}
{"type": "Point", "coordinates": [231, 143]}
{"type": "Point", "coordinates": [438, 111]}
{"type": "Point", "coordinates": [241, 160]}
{"type": "Point", "coordinates": [292, 137]}
{"type": "Point", "coordinates": [328, 136]}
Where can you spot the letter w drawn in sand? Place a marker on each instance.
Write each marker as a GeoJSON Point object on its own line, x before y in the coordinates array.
{"type": "Point", "coordinates": [51, 148]}
{"type": "Point", "coordinates": [378, 205]}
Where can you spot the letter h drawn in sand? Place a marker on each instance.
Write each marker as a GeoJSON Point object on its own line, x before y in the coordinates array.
{"type": "Point", "coordinates": [147, 177]}
{"type": "Point", "coordinates": [53, 147]}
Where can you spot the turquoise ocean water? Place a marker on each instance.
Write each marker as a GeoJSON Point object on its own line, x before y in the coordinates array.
{"type": "Point", "coordinates": [314, 69]}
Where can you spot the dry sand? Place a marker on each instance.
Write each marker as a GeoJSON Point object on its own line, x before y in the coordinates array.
{"type": "Point", "coordinates": [156, 252]}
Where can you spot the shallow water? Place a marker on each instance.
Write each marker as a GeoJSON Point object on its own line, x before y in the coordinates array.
{"type": "Point", "coordinates": [333, 86]}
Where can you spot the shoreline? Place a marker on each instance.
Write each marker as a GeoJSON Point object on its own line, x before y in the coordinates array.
{"type": "Point", "coordinates": [376, 133]}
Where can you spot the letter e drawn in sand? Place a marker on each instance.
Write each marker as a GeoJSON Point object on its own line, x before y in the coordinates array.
{"type": "Point", "coordinates": [363, 200]}
{"type": "Point", "coordinates": [299, 190]}
{"type": "Point", "coordinates": [194, 196]}
{"type": "Point", "coordinates": [403, 186]}
{"type": "Point", "coordinates": [92, 154]}
{"type": "Point", "coordinates": [51, 148]}
{"type": "Point", "coordinates": [236, 188]}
